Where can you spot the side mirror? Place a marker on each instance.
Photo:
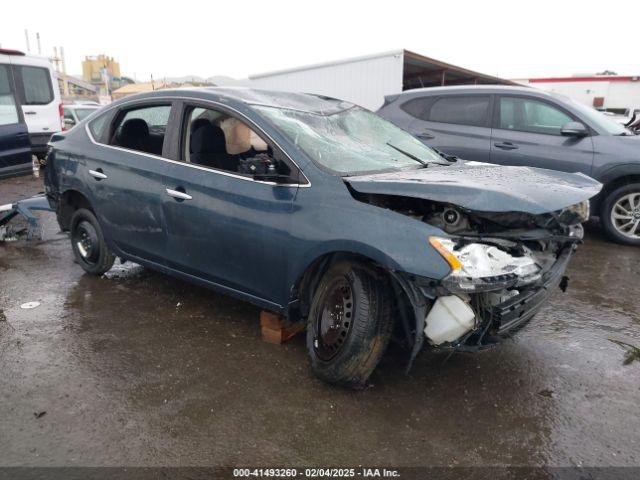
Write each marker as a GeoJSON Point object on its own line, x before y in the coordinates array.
{"type": "Point", "coordinates": [69, 123]}
{"type": "Point", "coordinates": [574, 129]}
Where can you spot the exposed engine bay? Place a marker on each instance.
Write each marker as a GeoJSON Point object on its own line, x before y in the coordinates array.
{"type": "Point", "coordinates": [503, 264]}
{"type": "Point", "coordinates": [459, 221]}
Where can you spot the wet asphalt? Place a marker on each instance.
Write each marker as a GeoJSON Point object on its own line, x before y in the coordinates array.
{"type": "Point", "coordinates": [140, 369]}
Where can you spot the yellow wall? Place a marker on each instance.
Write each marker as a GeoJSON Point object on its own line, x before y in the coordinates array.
{"type": "Point", "coordinates": [91, 68]}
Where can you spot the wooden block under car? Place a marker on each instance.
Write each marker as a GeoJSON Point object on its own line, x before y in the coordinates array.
{"type": "Point", "coordinates": [276, 329]}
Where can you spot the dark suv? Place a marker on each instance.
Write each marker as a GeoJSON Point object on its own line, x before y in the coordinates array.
{"type": "Point", "coordinates": [318, 210]}
{"type": "Point", "coordinates": [523, 126]}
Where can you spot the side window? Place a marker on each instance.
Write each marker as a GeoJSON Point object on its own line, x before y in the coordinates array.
{"type": "Point", "coordinates": [416, 107]}
{"type": "Point", "coordinates": [8, 108]}
{"type": "Point", "coordinates": [142, 129]}
{"type": "Point", "coordinates": [533, 116]}
{"type": "Point", "coordinates": [98, 126]}
{"type": "Point", "coordinates": [36, 84]}
{"type": "Point", "coordinates": [68, 115]}
{"type": "Point", "coordinates": [219, 141]}
{"type": "Point", "coordinates": [461, 110]}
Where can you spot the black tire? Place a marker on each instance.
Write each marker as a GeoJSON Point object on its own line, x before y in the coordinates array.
{"type": "Point", "coordinates": [87, 242]}
{"type": "Point", "coordinates": [346, 343]}
{"type": "Point", "coordinates": [610, 202]}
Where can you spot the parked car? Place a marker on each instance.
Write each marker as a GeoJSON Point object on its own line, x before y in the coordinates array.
{"type": "Point", "coordinates": [318, 210]}
{"type": "Point", "coordinates": [33, 89]}
{"type": "Point", "coordinates": [74, 113]}
{"type": "Point", "coordinates": [523, 126]}
{"type": "Point", "coordinates": [624, 116]}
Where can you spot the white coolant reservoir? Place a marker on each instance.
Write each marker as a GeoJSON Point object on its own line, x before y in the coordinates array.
{"type": "Point", "coordinates": [449, 319]}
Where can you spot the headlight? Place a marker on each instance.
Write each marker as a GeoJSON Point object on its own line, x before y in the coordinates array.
{"type": "Point", "coordinates": [480, 267]}
{"type": "Point", "coordinates": [574, 214]}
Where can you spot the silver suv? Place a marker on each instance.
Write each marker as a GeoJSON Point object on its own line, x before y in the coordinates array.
{"type": "Point", "coordinates": [526, 127]}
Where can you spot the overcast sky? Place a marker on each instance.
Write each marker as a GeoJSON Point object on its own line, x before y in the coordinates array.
{"type": "Point", "coordinates": [511, 39]}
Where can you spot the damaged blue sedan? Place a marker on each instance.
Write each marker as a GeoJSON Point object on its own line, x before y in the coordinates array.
{"type": "Point", "coordinates": [321, 211]}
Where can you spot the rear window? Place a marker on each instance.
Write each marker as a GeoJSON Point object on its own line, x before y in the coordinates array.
{"type": "Point", "coordinates": [83, 113]}
{"type": "Point", "coordinates": [36, 84]}
{"type": "Point", "coordinates": [416, 107]}
{"type": "Point", "coordinates": [462, 110]}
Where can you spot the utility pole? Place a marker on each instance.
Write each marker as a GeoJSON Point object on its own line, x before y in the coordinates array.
{"type": "Point", "coordinates": [26, 36]}
{"type": "Point", "coordinates": [65, 83]}
{"type": "Point", "coordinates": [105, 77]}
{"type": "Point", "coordinates": [56, 59]}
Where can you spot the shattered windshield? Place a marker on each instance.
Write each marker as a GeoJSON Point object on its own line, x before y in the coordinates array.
{"type": "Point", "coordinates": [351, 141]}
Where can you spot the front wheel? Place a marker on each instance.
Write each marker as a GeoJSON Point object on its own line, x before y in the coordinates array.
{"type": "Point", "coordinates": [88, 243]}
{"type": "Point", "coordinates": [349, 324]}
{"type": "Point", "coordinates": [621, 214]}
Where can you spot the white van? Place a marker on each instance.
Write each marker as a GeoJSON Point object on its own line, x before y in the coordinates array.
{"type": "Point", "coordinates": [38, 95]}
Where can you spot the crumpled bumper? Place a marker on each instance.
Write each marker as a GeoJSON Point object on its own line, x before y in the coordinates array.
{"type": "Point", "coordinates": [508, 316]}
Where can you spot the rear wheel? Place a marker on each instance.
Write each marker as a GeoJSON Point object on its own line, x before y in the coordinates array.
{"type": "Point", "coordinates": [87, 241]}
{"type": "Point", "coordinates": [621, 214]}
{"type": "Point", "coordinates": [349, 324]}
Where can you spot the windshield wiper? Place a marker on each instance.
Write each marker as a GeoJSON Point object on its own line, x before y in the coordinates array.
{"type": "Point", "coordinates": [413, 157]}
{"type": "Point", "coordinates": [407, 154]}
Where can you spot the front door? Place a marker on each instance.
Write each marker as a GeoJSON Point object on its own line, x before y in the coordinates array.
{"type": "Point", "coordinates": [222, 225]}
{"type": "Point", "coordinates": [527, 133]}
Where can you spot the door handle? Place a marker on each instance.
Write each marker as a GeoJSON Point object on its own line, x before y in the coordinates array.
{"type": "Point", "coordinates": [30, 112]}
{"type": "Point", "coordinates": [97, 174]}
{"type": "Point", "coordinates": [178, 195]}
{"type": "Point", "coordinates": [506, 145]}
{"type": "Point", "coordinates": [426, 136]}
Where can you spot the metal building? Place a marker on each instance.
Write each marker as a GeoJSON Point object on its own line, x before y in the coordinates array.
{"type": "Point", "coordinates": [614, 93]}
{"type": "Point", "coordinates": [366, 80]}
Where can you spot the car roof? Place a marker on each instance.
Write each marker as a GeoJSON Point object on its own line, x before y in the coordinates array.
{"type": "Point", "coordinates": [304, 102]}
{"type": "Point", "coordinates": [471, 89]}
{"type": "Point", "coordinates": [18, 58]}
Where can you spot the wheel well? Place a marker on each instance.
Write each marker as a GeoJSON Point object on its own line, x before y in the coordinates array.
{"type": "Point", "coordinates": [613, 185]}
{"type": "Point", "coordinates": [303, 291]}
{"type": "Point", "coordinates": [71, 201]}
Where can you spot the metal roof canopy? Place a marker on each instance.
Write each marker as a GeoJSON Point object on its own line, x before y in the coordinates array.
{"type": "Point", "coordinates": [420, 71]}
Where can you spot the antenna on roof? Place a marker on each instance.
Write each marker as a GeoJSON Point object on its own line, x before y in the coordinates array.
{"type": "Point", "coordinates": [26, 36]}
{"type": "Point", "coordinates": [38, 39]}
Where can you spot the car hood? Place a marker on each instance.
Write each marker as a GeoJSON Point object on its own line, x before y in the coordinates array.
{"type": "Point", "coordinates": [484, 187]}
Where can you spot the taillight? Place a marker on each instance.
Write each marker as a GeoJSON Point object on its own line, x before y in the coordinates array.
{"type": "Point", "coordinates": [61, 117]}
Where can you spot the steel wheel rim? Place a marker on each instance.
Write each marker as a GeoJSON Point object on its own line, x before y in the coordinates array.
{"type": "Point", "coordinates": [625, 215]}
{"type": "Point", "coordinates": [86, 242]}
{"type": "Point", "coordinates": [333, 319]}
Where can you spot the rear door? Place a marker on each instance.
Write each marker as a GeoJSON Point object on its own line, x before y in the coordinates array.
{"type": "Point", "coordinates": [455, 124]}
{"type": "Point", "coordinates": [125, 174]}
{"type": "Point", "coordinates": [15, 149]}
{"type": "Point", "coordinates": [527, 133]}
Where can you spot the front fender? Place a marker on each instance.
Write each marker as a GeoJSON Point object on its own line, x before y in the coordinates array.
{"type": "Point", "coordinates": [334, 222]}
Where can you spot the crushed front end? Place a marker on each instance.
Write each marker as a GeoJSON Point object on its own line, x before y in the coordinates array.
{"type": "Point", "coordinates": [504, 266]}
